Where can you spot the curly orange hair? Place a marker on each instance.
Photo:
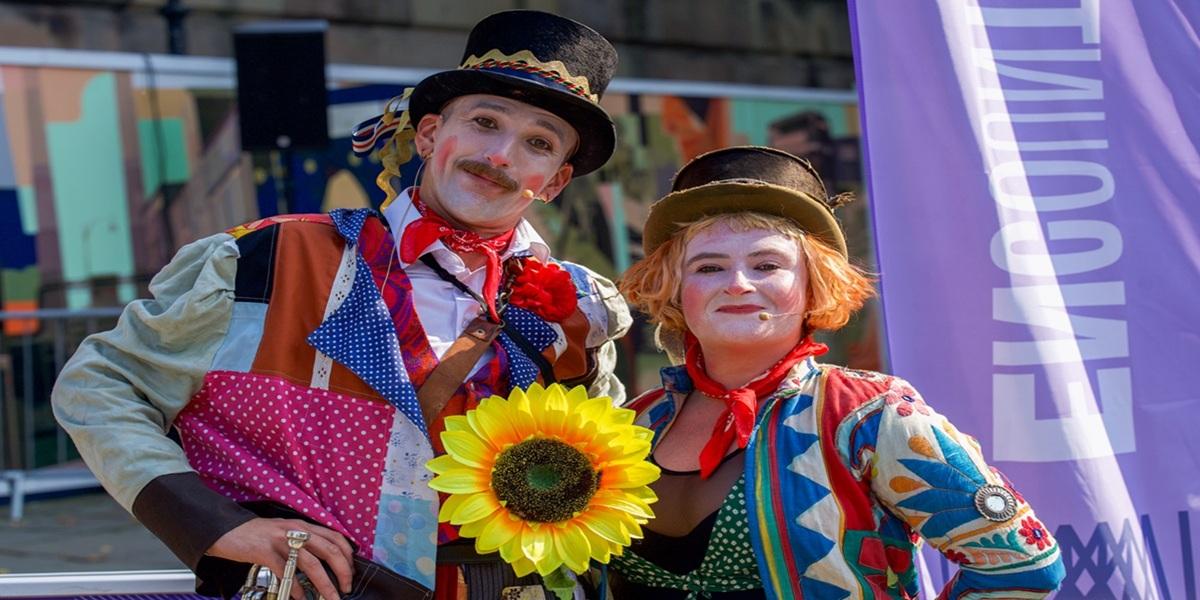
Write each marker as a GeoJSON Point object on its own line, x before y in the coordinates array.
{"type": "Point", "coordinates": [836, 288]}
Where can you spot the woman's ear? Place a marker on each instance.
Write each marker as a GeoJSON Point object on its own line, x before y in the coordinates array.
{"type": "Point", "coordinates": [670, 341]}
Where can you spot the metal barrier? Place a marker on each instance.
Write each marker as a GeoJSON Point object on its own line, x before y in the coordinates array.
{"type": "Point", "coordinates": [29, 364]}
{"type": "Point", "coordinates": [157, 585]}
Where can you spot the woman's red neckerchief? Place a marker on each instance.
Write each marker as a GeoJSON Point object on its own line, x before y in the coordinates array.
{"type": "Point", "coordinates": [741, 404]}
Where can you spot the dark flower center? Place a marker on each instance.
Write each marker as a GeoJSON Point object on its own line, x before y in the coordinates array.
{"type": "Point", "coordinates": [544, 480]}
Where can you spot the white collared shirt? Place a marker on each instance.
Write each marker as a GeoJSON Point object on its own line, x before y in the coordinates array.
{"type": "Point", "coordinates": [445, 310]}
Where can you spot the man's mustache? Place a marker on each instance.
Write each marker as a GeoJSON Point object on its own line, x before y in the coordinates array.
{"type": "Point", "coordinates": [487, 171]}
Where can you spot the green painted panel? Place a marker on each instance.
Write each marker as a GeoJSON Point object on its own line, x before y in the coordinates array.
{"type": "Point", "coordinates": [79, 297]}
{"type": "Point", "coordinates": [27, 203]}
{"type": "Point", "coordinates": [20, 284]}
{"type": "Point", "coordinates": [174, 151]}
{"type": "Point", "coordinates": [90, 194]}
{"type": "Point", "coordinates": [619, 230]}
{"type": "Point", "coordinates": [753, 118]}
{"type": "Point", "coordinates": [126, 292]}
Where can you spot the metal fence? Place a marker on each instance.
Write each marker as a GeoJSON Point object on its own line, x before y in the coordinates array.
{"type": "Point", "coordinates": [36, 455]}
{"type": "Point", "coordinates": [143, 585]}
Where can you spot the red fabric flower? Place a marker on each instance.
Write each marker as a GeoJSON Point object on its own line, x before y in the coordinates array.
{"type": "Point", "coordinates": [1034, 532]}
{"type": "Point", "coordinates": [544, 289]}
{"type": "Point", "coordinates": [957, 557]}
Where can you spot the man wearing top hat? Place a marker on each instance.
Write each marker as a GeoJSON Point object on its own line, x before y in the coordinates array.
{"type": "Point", "coordinates": [307, 362]}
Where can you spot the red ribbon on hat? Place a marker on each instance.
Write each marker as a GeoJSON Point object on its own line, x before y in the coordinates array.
{"type": "Point", "coordinates": [736, 422]}
{"type": "Point", "coordinates": [429, 228]}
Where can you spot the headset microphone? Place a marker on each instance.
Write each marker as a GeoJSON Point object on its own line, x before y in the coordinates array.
{"type": "Point", "coordinates": [766, 316]}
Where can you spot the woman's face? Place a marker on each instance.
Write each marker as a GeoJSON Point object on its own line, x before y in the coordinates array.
{"type": "Point", "coordinates": [730, 277]}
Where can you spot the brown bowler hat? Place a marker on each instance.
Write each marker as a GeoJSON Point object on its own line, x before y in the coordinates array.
{"type": "Point", "coordinates": [745, 179]}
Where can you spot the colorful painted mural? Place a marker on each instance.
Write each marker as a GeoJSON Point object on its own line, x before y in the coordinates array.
{"type": "Point", "coordinates": [90, 158]}
{"type": "Point", "coordinates": [81, 155]}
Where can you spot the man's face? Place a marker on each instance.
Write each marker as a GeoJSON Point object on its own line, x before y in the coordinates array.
{"type": "Point", "coordinates": [484, 152]}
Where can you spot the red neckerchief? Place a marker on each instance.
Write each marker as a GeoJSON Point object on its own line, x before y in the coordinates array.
{"type": "Point", "coordinates": [741, 404]}
{"type": "Point", "coordinates": [430, 228]}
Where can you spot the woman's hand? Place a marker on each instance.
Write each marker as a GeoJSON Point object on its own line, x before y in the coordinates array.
{"type": "Point", "coordinates": [264, 541]}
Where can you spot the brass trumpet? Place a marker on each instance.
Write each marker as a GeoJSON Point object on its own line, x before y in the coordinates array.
{"type": "Point", "coordinates": [262, 584]}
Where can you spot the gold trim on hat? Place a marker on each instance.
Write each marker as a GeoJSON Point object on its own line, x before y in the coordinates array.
{"type": "Point", "coordinates": [556, 69]}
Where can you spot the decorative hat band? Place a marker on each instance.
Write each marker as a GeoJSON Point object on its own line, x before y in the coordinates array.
{"type": "Point", "coordinates": [369, 133]}
{"type": "Point", "coordinates": [393, 133]}
{"type": "Point", "coordinates": [525, 65]}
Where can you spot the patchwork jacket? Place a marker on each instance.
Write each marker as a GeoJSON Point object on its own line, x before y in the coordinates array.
{"type": "Point", "coordinates": [848, 470]}
{"type": "Point", "coordinates": [286, 354]}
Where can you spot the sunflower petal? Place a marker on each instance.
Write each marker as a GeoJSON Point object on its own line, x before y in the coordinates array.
{"type": "Point", "coordinates": [601, 549]}
{"type": "Point", "coordinates": [593, 409]}
{"type": "Point", "coordinates": [443, 464]}
{"type": "Point", "coordinates": [630, 451]}
{"type": "Point", "coordinates": [457, 423]}
{"type": "Point", "coordinates": [520, 411]}
{"type": "Point", "coordinates": [460, 481]}
{"type": "Point", "coordinates": [576, 394]}
{"type": "Point", "coordinates": [522, 566]}
{"type": "Point", "coordinates": [551, 561]}
{"type": "Point", "coordinates": [553, 422]}
{"type": "Point", "coordinates": [497, 533]}
{"type": "Point", "coordinates": [453, 501]}
{"type": "Point", "coordinates": [635, 475]}
{"type": "Point", "coordinates": [620, 501]}
{"type": "Point", "coordinates": [511, 550]}
{"type": "Point", "coordinates": [535, 543]}
{"type": "Point", "coordinates": [492, 423]}
{"type": "Point", "coordinates": [473, 529]}
{"type": "Point", "coordinates": [635, 531]}
{"type": "Point", "coordinates": [622, 416]}
{"type": "Point", "coordinates": [572, 544]}
{"type": "Point", "coordinates": [520, 397]}
{"type": "Point", "coordinates": [555, 399]}
{"type": "Point", "coordinates": [606, 528]}
{"type": "Point", "coordinates": [475, 507]}
{"type": "Point", "coordinates": [467, 448]}
{"type": "Point", "coordinates": [644, 493]}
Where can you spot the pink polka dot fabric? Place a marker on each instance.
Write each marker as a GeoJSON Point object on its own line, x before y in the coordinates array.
{"type": "Point", "coordinates": [253, 437]}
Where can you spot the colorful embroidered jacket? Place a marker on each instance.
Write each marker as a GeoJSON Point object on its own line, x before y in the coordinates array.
{"type": "Point", "coordinates": [846, 472]}
{"type": "Point", "coordinates": [287, 354]}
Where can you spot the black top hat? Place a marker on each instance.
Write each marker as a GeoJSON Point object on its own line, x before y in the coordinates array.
{"type": "Point", "coordinates": [541, 59]}
{"type": "Point", "coordinates": [745, 179]}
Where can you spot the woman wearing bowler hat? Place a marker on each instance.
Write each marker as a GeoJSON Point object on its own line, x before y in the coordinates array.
{"type": "Point", "coordinates": [784, 477]}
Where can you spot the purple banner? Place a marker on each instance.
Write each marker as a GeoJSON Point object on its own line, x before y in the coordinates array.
{"type": "Point", "coordinates": [1035, 184]}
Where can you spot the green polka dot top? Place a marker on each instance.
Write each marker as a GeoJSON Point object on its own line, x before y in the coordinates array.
{"type": "Point", "coordinates": [728, 564]}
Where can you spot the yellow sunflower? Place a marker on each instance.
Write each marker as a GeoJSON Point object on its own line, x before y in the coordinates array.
{"type": "Point", "coordinates": [548, 476]}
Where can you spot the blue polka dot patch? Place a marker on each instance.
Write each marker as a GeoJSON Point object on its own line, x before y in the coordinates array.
{"type": "Point", "coordinates": [522, 370]}
{"type": "Point", "coordinates": [360, 334]}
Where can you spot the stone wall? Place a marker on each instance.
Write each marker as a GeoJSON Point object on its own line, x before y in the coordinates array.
{"type": "Point", "coordinates": [769, 42]}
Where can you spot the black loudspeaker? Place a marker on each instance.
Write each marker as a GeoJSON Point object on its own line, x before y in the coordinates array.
{"type": "Point", "coordinates": [281, 94]}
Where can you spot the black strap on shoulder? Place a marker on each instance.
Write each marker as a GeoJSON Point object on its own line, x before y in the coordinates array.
{"type": "Point", "coordinates": [527, 348]}
{"type": "Point", "coordinates": [445, 275]}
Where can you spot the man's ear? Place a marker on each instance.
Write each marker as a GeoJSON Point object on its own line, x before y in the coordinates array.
{"type": "Point", "coordinates": [426, 128]}
{"type": "Point", "coordinates": [556, 183]}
